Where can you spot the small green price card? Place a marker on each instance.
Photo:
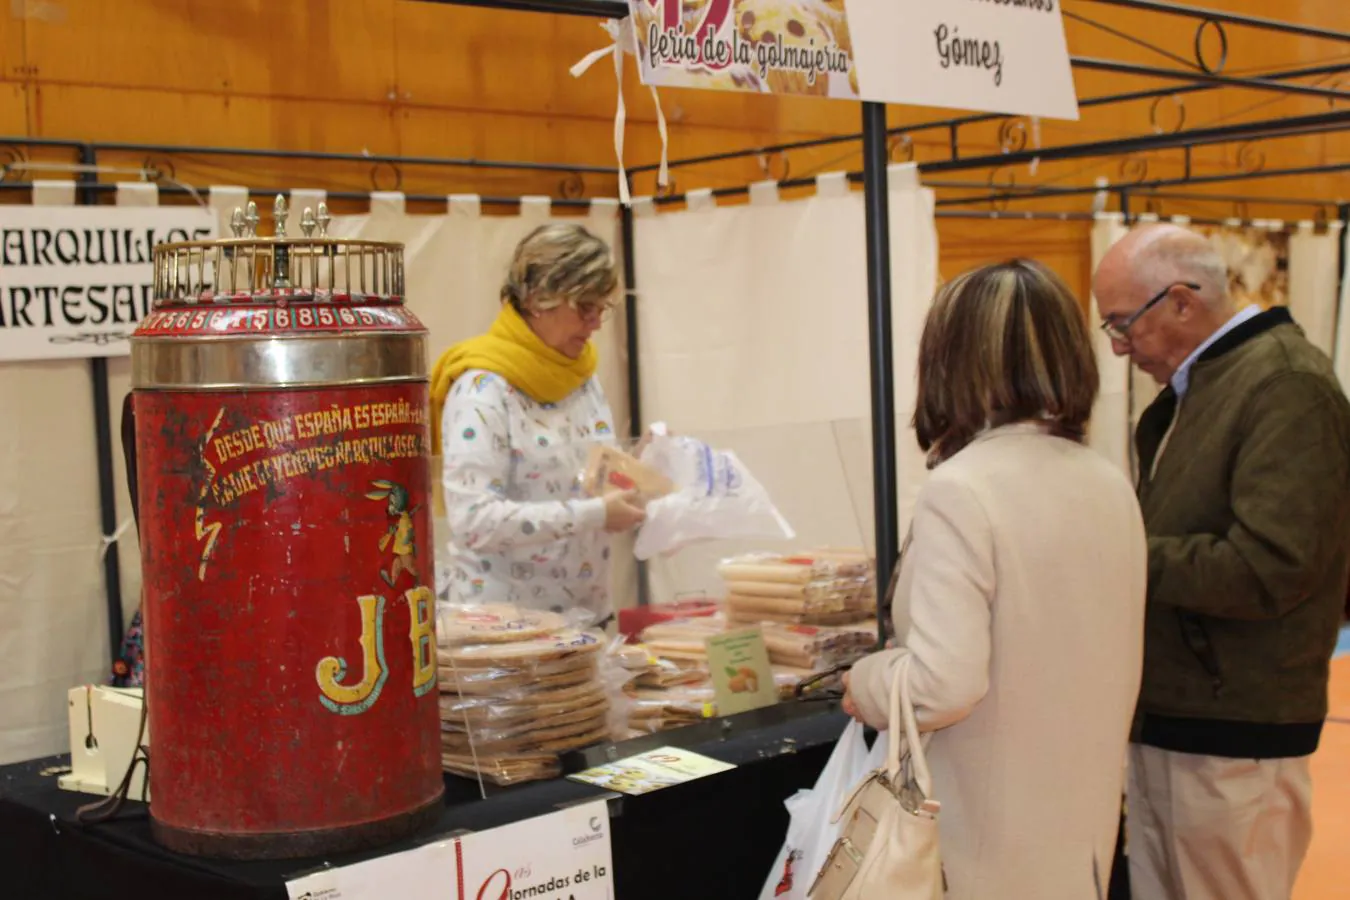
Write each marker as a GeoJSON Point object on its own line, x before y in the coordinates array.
{"type": "Point", "coordinates": [741, 675]}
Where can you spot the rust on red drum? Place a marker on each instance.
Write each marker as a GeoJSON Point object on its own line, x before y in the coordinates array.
{"type": "Point", "coordinates": [282, 441]}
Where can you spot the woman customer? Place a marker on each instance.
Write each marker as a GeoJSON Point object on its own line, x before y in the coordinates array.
{"type": "Point", "coordinates": [1019, 595]}
{"type": "Point", "coordinates": [516, 411]}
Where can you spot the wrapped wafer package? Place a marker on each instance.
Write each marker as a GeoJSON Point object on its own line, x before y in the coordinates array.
{"type": "Point", "coordinates": [821, 587]}
{"type": "Point", "coordinates": [517, 688]}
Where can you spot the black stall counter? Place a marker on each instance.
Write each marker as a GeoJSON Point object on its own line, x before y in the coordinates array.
{"type": "Point", "coordinates": [713, 838]}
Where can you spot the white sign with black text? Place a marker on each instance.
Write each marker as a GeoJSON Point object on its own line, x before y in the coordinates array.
{"type": "Point", "coordinates": [75, 281]}
{"type": "Point", "coordinates": [565, 855]}
{"type": "Point", "coordinates": [1007, 56]}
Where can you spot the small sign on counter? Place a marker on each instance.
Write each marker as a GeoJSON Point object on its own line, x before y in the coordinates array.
{"type": "Point", "coordinates": [741, 674]}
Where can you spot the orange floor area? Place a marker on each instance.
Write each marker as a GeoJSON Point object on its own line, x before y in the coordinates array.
{"type": "Point", "coordinates": [1326, 873]}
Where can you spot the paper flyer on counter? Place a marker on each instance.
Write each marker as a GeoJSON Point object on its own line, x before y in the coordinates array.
{"type": "Point", "coordinates": [661, 768]}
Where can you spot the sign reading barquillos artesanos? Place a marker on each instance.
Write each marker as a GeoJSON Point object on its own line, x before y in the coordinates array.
{"type": "Point", "coordinates": [1007, 56]}
{"type": "Point", "coordinates": [76, 280]}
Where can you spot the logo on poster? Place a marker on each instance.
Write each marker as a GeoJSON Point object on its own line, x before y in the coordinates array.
{"type": "Point", "coordinates": [597, 833]}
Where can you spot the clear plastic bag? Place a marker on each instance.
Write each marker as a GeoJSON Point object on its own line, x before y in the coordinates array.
{"type": "Point", "coordinates": [517, 688]}
{"type": "Point", "coordinates": [716, 498]}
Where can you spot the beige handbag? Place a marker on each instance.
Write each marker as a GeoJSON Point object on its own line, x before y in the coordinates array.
{"type": "Point", "coordinates": [888, 846]}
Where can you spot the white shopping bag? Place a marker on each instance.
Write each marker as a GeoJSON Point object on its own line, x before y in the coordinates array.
{"type": "Point", "coordinates": [810, 832]}
{"type": "Point", "coordinates": [716, 498]}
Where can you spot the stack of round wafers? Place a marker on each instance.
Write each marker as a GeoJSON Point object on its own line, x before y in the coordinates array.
{"type": "Point", "coordinates": [518, 687]}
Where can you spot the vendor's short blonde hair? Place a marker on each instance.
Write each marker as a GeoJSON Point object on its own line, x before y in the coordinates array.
{"type": "Point", "coordinates": [1004, 343]}
{"type": "Point", "coordinates": [556, 264]}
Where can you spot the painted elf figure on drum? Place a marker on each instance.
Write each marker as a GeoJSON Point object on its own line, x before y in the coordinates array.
{"type": "Point", "coordinates": [401, 530]}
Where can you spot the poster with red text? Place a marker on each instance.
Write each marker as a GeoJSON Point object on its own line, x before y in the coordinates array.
{"type": "Point", "coordinates": [565, 855]}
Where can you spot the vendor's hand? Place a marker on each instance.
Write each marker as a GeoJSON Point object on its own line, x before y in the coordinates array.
{"type": "Point", "coordinates": [622, 512]}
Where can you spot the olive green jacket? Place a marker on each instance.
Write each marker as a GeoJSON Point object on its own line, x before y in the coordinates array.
{"type": "Point", "coordinates": [1245, 491]}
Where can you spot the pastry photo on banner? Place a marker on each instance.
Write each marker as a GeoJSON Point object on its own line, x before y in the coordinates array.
{"type": "Point", "coordinates": [1258, 262]}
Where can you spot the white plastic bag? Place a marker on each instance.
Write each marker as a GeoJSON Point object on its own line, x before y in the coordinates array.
{"type": "Point", "coordinates": [810, 833]}
{"type": "Point", "coordinates": [716, 499]}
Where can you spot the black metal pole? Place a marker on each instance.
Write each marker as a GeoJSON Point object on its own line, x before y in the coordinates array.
{"type": "Point", "coordinates": [634, 376]}
{"type": "Point", "coordinates": [107, 499]}
{"type": "Point", "coordinates": [1255, 84]}
{"type": "Point", "coordinates": [1214, 15]}
{"type": "Point", "coordinates": [876, 199]}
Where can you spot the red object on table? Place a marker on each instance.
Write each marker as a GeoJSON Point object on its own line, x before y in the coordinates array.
{"type": "Point", "coordinates": [632, 621]}
{"type": "Point", "coordinates": [282, 453]}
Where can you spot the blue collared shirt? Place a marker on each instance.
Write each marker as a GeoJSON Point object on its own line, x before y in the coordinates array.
{"type": "Point", "coordinates": [1181, 378]}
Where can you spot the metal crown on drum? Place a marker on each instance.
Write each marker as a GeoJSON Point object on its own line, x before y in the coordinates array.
{"type": "Point", "coordinates": [249, 267]}
{"type": "Point", "coordinates": [250, 312]}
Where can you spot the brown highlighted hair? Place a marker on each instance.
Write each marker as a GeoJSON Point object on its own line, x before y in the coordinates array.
{"type": "Point", "coordinates": [1004, 343]}
{"type": "Point", "coordinates": [559, 263]}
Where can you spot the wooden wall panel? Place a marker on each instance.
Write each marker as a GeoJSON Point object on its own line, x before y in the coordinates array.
{"type": "Point", "coordinates": [967, 244]}
{"type": "Point", "coordinates": [300, 50]}
{"type": "Point", "coordinates": [13, 108]}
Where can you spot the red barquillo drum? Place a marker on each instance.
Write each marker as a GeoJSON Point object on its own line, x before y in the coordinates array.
{"type": "Point", "coordinates": [280, 393]}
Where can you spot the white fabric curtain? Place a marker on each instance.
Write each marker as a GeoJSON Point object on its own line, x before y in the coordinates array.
{"type": "Point", "coordinates": [1342, 357]}
{"type": "Point", "coordinates": [51, 541]}
{"type": "Point", "coordinates": [1314, 260]}
{"type": "Point", "coordinates": [1109, 430]}
{"type": "Point", "coordinates": [454, 266]}
{"type": "Point", "coordinates": [754, 337]}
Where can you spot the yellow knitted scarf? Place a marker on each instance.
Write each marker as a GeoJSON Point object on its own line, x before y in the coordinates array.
{"type": "Point", "coordinates": [509, 349]}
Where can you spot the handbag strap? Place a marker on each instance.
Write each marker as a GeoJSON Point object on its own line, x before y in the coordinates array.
{"type": "Point", "coordinates": [902, 715]}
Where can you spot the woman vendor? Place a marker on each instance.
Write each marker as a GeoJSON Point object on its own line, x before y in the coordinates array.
{"type": "Point", "coordinates": [516, 411]}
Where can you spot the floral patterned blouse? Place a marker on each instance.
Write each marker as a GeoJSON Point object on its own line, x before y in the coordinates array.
{"type": "Point", "coordinates": [521, 531]}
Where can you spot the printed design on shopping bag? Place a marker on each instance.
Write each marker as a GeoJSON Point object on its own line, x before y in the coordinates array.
{"type": "Point", "coordinates": [785, 883]}
{"type": "Point", "coordinates": [770, 46]}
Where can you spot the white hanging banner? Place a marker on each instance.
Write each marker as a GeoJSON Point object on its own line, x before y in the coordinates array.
{"type": "Point", "coordinates": [76, 280]}
{"type": "Point", "coordinates": [1003, 56]}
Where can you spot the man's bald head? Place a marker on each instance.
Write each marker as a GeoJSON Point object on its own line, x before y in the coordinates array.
{"type": "Point", "coordinates": [1151, 257]}
{"type": "Point", "coordinates": [1190, 281]}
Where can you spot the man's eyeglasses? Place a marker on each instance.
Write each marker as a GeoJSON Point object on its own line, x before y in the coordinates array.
{"type": "Point", "coordinates": [1120, 330]}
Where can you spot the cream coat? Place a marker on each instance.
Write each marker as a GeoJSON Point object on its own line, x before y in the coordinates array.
{"type": "Point", "coordinates": [1021, 597]}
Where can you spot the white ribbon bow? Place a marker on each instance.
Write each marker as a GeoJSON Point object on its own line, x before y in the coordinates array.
{"type": "Point", "coordinates": [625, 41]}
{"type": "Point", "coordinates": [108, 540]}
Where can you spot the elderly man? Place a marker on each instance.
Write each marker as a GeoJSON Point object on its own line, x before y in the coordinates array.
{"type": "Point", "coordinates": [1244, 481]}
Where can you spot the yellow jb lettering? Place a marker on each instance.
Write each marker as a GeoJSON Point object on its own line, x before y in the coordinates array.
{"type": "Point", "coordinates": [422, 634]}
{"type": "Point", "coordinates": [350, 700]}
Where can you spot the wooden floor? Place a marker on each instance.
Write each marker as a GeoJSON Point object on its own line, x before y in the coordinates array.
{"type": "Point", "coordinates": [1326, 873]}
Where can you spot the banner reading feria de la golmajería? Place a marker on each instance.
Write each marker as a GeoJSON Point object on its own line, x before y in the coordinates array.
{"type": "Point", "coordinates": [1004, 56]}
{"type": "Point", "coordinates": [75, 281]}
